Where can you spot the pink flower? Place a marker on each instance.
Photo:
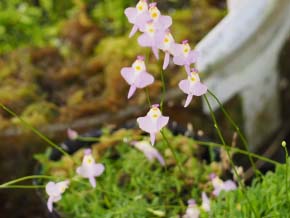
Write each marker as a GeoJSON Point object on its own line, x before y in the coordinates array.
{"type": "Point", "coordinates": [89, 169]}
{"type": "Point", "coordinates": [184, 56]}
{"type": "Point", "coordinates": [150, 152]}
{"type": "Point", "coordinates": [192, 86]}
{"type": "Point", "coordinates": [72, 134]}
{"type": "Point", "coordinates": [154, 28]}
{"type": "Point", "coordinates": [167, 44]}
{"type": "Point", "coordinates": [54, 191]}
{"type": "Point", "coordinates": [136, 76]}
{"type": "Point", "coordinates": [153, 122]}
{"type": "Point", "coordinates": [149, 37]}
{"type": "Point", "coordinates": [138, 16]}
{"type": "Point", "coordinates": [164, 22]}
{"type": "Point", "coordinates": [205, 202]}
{"type": "Point", "coordinates": [220, 185]}
{"type": "Point", "coordinates": [192, 210]}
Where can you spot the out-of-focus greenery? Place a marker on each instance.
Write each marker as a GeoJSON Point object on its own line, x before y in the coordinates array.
{"type": "Point", "coordinates": [37, 22]}
{"type": "Point", "coordinates": [30, 22]}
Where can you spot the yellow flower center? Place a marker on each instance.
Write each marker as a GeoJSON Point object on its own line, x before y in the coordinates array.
{"type": "Point", "coordinates": [90, 160]}
{"type": "Point", "coordinates": [154, 15]}
{"type": "Point", "coordinates": [138, 68]}
{"type": "Point", "coordinates": [166, 40]}
{"type": "Point", "coordinates": [140, 8]}
{"type": "Point", "coordinates": [192, 78]}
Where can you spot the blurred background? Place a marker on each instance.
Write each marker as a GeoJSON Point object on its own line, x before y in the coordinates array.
{"type": "Point", "coordinates": [60, 67]}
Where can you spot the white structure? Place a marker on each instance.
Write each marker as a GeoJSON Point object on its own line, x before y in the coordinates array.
{"type": "Point", "coordinates": [240, 55]}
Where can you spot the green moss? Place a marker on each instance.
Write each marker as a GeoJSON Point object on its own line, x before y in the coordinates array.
{"type": "Point", "coordinates": [38, 114]}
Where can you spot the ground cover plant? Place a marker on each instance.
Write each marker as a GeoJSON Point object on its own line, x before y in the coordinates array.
{"type": "Point", "coordinates": [149, 171]}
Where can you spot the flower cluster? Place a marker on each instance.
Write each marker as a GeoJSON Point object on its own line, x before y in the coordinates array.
{"type": "Point", "coordinates": [156, 34]}
{"type": "Point", "coordinates": [89, 169]}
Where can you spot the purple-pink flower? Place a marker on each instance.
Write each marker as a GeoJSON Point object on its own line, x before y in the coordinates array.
{"type": "Point", "coordinates": [138, 16]}
{"type": "Point", "coordinates": [205, 205]}
{"type": "Point", "coordinates": [54, 191]}
{"type": "Point", "coordinates": [192, 86]}
{"type": "Point", "coordinates": [89, 169]}
{"type": "Point", "coordinates": [192, 210]}
{"type": "Point", "coordinates": [153, 122]}
{"type": "Point", "coordinates": [150, 37]}
{"type": "Point", "coordinates": [154, 29]}
{"type": "Point", "coordinates": [167, 44]}
{"type": "Point", "coordinates": [220, 185]}
{"type": "Point", "coordinates": [136, 76]}
{"type": "Point", "coordinates": [149, 151]}
{"type": "Point", "coordinates": [164, 22]}
{"type": "Point", "coordinates": [184, 56]}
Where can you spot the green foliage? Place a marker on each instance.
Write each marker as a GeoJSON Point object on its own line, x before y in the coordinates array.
{"type": "Point", "coordinates": [28, 22]}
{"type": "Point", "coordinates": [268, 195]}
{"type": "Point", "coordinates": [110, 15]}
{"type": "Point", "coordinates": [131, 186]}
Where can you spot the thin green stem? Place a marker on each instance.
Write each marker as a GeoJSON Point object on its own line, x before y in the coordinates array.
{"type": "Point", "coordinates": [88, 139]}
{"type": "Point", "coordinates": [23, 187]}
{"type": "Point", "coordinates": [7, 184]}
{"type": "Point", "coordinates": [241, 184]}
{"type": "Point", "coordinates": [42, 136]}
{"type": "Point", "coordinates": [172, 150]}
{"type": "Point", "coordinates": [163, 90]}
{"type": "Point", "coordinates": [284, 145]}
{"type": "Point", "coordinates": [236, 127]}
{"type": "Point", "coordinates": [237, 150]}
{"type": "Point", "coordinates": [148, 97]}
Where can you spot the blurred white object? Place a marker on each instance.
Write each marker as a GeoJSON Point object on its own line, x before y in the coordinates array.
{"type": "Point", "coordinates": [240, 55]}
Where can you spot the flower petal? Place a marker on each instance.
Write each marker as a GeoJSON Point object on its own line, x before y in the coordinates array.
{"type": "Point", "coordinates": [143, 80]}
{"type": "Point", "coordinates": [161, 122]}
{"type": "Point", "coordinates": [127, 73]}
{"type": "Point", "coordinates": [131, 91]}
{"type": "Point", "coordinates": [166, 60]}
{"type": "Point", "coordinates": [146, 124]}
{"type": "Point", "coordinates": [184, 86]}
{"type": "Point", "coordinates": [188, 100]}
{"type": "Point", "coordinates": [199, 89]}
{"type": "Point", "coordinates": [152, 138]}
{"type": "Point", "coordinates": [50, 204]}
{"type": "Point", "coordinates": [131, 14]}
{"type": "Point", "coordinates": [98, 169]}
{"type": "Point", "coordinates": [92, 181]}
{"type": "Point", "coordinates": [145, 40]}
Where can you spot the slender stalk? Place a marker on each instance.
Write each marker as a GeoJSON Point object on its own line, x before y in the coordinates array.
{"type": "Point", "coordinates": [87, 139]}
{"type": "Point", "coordinates": [237, 150]}
{"type": "Point", "coordinates": [241, 184]}
{"type": "Point", "coordinates": [42, 136]}
{"type": "Point", "coordinates": [236, 127]}
{"type": "Point", "coordinates": [23, 187]}
{"type": "Point", "coordinates": [7, 184]}
{"type": "Point", "coordinates": [148, 97]}
{"type": "Point", "coordinates": [163, 90]}
{"type": "Point", "coordinates": [284, 145]}
{"type": "Point", "coordinates": [172, 150]}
